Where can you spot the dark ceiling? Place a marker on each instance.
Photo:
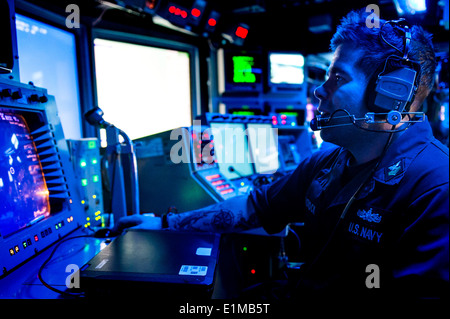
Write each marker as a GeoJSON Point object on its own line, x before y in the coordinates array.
{"type": "Point", "coordinates": [274, 24]}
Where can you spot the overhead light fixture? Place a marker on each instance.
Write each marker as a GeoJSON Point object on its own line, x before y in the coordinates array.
{"type": "Point", "coordinates": [410, 7]}
{"type": "Point", "coordinates": [211, 21]}
{"type": "Point", "coordinates": [196, 13]}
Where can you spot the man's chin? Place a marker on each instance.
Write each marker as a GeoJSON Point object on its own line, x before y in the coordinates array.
{"type": "Point", "coordinates": [334, 135]}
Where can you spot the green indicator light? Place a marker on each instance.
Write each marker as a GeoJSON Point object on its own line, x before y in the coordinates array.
{"type": "Point", "coordinates": [95, 178]}
{"type": "Point", "coordinates": [92, 144]}
{"type": "Point", "coordinates": [244, 113]}
{"type": "Point", "coordinates": [83, 163]}
{"type": "Point", "coordinates": [84, 182]}
{"type": "Point", "coordinates": [94, 161]}
{"type": "Point", "coordinates": [289, 113]}
{"type": "Point", "coordinates": [244, 248]}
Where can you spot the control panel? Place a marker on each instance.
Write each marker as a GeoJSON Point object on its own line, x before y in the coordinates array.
{"type": "Point", "coordinates": [85, 155]}
{"type": "Point", "coordinates": [232, 153]}
{"type": "Point", "coordinates": [38, 201]}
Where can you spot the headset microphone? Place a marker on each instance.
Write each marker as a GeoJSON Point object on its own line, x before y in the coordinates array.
{"type": "Point", "coordinates": [392, 117]}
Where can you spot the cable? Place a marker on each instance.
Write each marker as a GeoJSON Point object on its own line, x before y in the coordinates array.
{"type": "Point", "coordinates": [384, 40]}
{"type": "Point", "coordinates": [298, 238]}
{"type": "Point", "coordinates": [46, 262]}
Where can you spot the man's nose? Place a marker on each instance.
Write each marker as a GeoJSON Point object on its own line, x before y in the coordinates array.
{"type": "Point", "coordinates": [320, 93]}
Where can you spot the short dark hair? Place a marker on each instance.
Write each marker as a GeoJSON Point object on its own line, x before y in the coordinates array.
{"type": "Point", "coordinates": [353, 30]}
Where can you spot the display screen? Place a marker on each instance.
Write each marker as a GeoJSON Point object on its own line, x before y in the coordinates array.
{"type": "Point", "coordinates": [24, 197]}
{"type": "Point", "coordinates": [142, 89]}
{"type": "Point", "coordinates": [263, 140]}
{"type": "Point", "coordinates": [286, 68]}
{"type": "Point", "coordinates": [243, 70]}
{"type": "Point", "coordinates": [231, 149]}
{"type": "Point", "coordinates": [47, 57]}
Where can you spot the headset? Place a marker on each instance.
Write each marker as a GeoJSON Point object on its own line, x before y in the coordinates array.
{"type": "Point", "coordinates": [390, 91]}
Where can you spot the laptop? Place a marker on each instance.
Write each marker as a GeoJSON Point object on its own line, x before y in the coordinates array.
{"type": "Point", "coordinates": [144, 263]}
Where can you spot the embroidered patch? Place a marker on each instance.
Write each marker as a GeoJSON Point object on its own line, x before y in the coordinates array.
{"type": "Point", "coordinates": [369, 216]}
{"type": "Point", "coordinates": [393, 170]}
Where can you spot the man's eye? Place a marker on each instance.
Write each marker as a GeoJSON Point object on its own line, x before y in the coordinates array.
{"type": "Point", "coordinates": [338, 78]}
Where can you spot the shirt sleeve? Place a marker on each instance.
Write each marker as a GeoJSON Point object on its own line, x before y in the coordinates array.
{"type": "Point", "coordinates": [283, 201]}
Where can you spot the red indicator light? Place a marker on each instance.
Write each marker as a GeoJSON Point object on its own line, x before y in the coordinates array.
{"type": "Point", "coordinates": [241, 32]}
{"type": "Point", "coordinates": [220, 181]}
{"type": "Point", "coordinates": [253, 271]}
{"type": "Point", "coordinates": [172, 9]}
{"type": "Point", "coordinates": [183, 14]}
{"type": "Point", "coordinates": [36, 238]}
{"type": "Point", "coordinates": [211, 177]}
{"type": "Point", "coordinates": [227, 191]}
{"type": "Point", "coordinates": [196, 12]}
{"type": "Point", "coordinates": [212, 22]}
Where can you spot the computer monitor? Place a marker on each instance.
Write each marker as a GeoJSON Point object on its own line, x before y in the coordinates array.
{"type": "Point", "coordinates": [48, 58]}
{"type": "Point", "coordinates": [242, 71]}
{"type": "Point", "coordinates": [145, 85]}
{"type": "Point", "coordinates": [24, 196]}
{"type": "Point", "coordinates": [231, 149]}
{"type": "Point", "coordinates": [263, 140]}
{"type": "Point", "coordinates": [286, 71]}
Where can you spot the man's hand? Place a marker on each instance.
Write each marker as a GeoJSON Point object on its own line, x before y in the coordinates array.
{"type": "Point", "coordinates": [138, 222]}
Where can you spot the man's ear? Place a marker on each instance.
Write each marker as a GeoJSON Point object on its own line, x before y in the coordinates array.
{"type": "Point", "coordinates": [420, 96]}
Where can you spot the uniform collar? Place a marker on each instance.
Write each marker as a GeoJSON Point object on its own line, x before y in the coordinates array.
{"type": "Point", "coordinates": [402, 152]}
{"type": "Point", "coordinates": [391, 169]}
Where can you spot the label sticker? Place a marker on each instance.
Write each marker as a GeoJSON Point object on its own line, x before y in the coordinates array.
{"type": "Point", "coordinates": [193, 270]}
{"type": "Point", "coordinates": [102, 263]}
{"type": "Point", "coordinates": [203, 251]}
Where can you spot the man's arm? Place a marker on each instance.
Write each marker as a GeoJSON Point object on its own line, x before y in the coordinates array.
{"type": "Point", "coordinates": [233, 215]}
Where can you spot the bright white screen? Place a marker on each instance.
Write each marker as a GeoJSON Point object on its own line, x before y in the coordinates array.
{"type": "Point", "coordinates": [263, 140]}
{"type": "Point", "coordinates": [48, 59]}
{"type": "Point", "coordinates": [231, 149]}
{"type": "Point", "coordinates": [286, 68]}
{"type": "Point", "coordinates": [142, 90]}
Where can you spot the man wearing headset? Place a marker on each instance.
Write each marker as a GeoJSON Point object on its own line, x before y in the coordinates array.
{"type": "Point", "coordinates": [377, 201]}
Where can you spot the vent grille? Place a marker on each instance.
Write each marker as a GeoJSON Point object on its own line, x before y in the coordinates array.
{"type": "Point", "coordinates": [51, 163]}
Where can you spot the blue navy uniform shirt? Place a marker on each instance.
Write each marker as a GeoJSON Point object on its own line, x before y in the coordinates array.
{"type": "Point", "coordinates": [399, 220]}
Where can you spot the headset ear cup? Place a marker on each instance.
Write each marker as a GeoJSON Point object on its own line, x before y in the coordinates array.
{"type": "Point", "coordinates": [393, 86]}
{"type": "Point", "coordinates": [371, 92]}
